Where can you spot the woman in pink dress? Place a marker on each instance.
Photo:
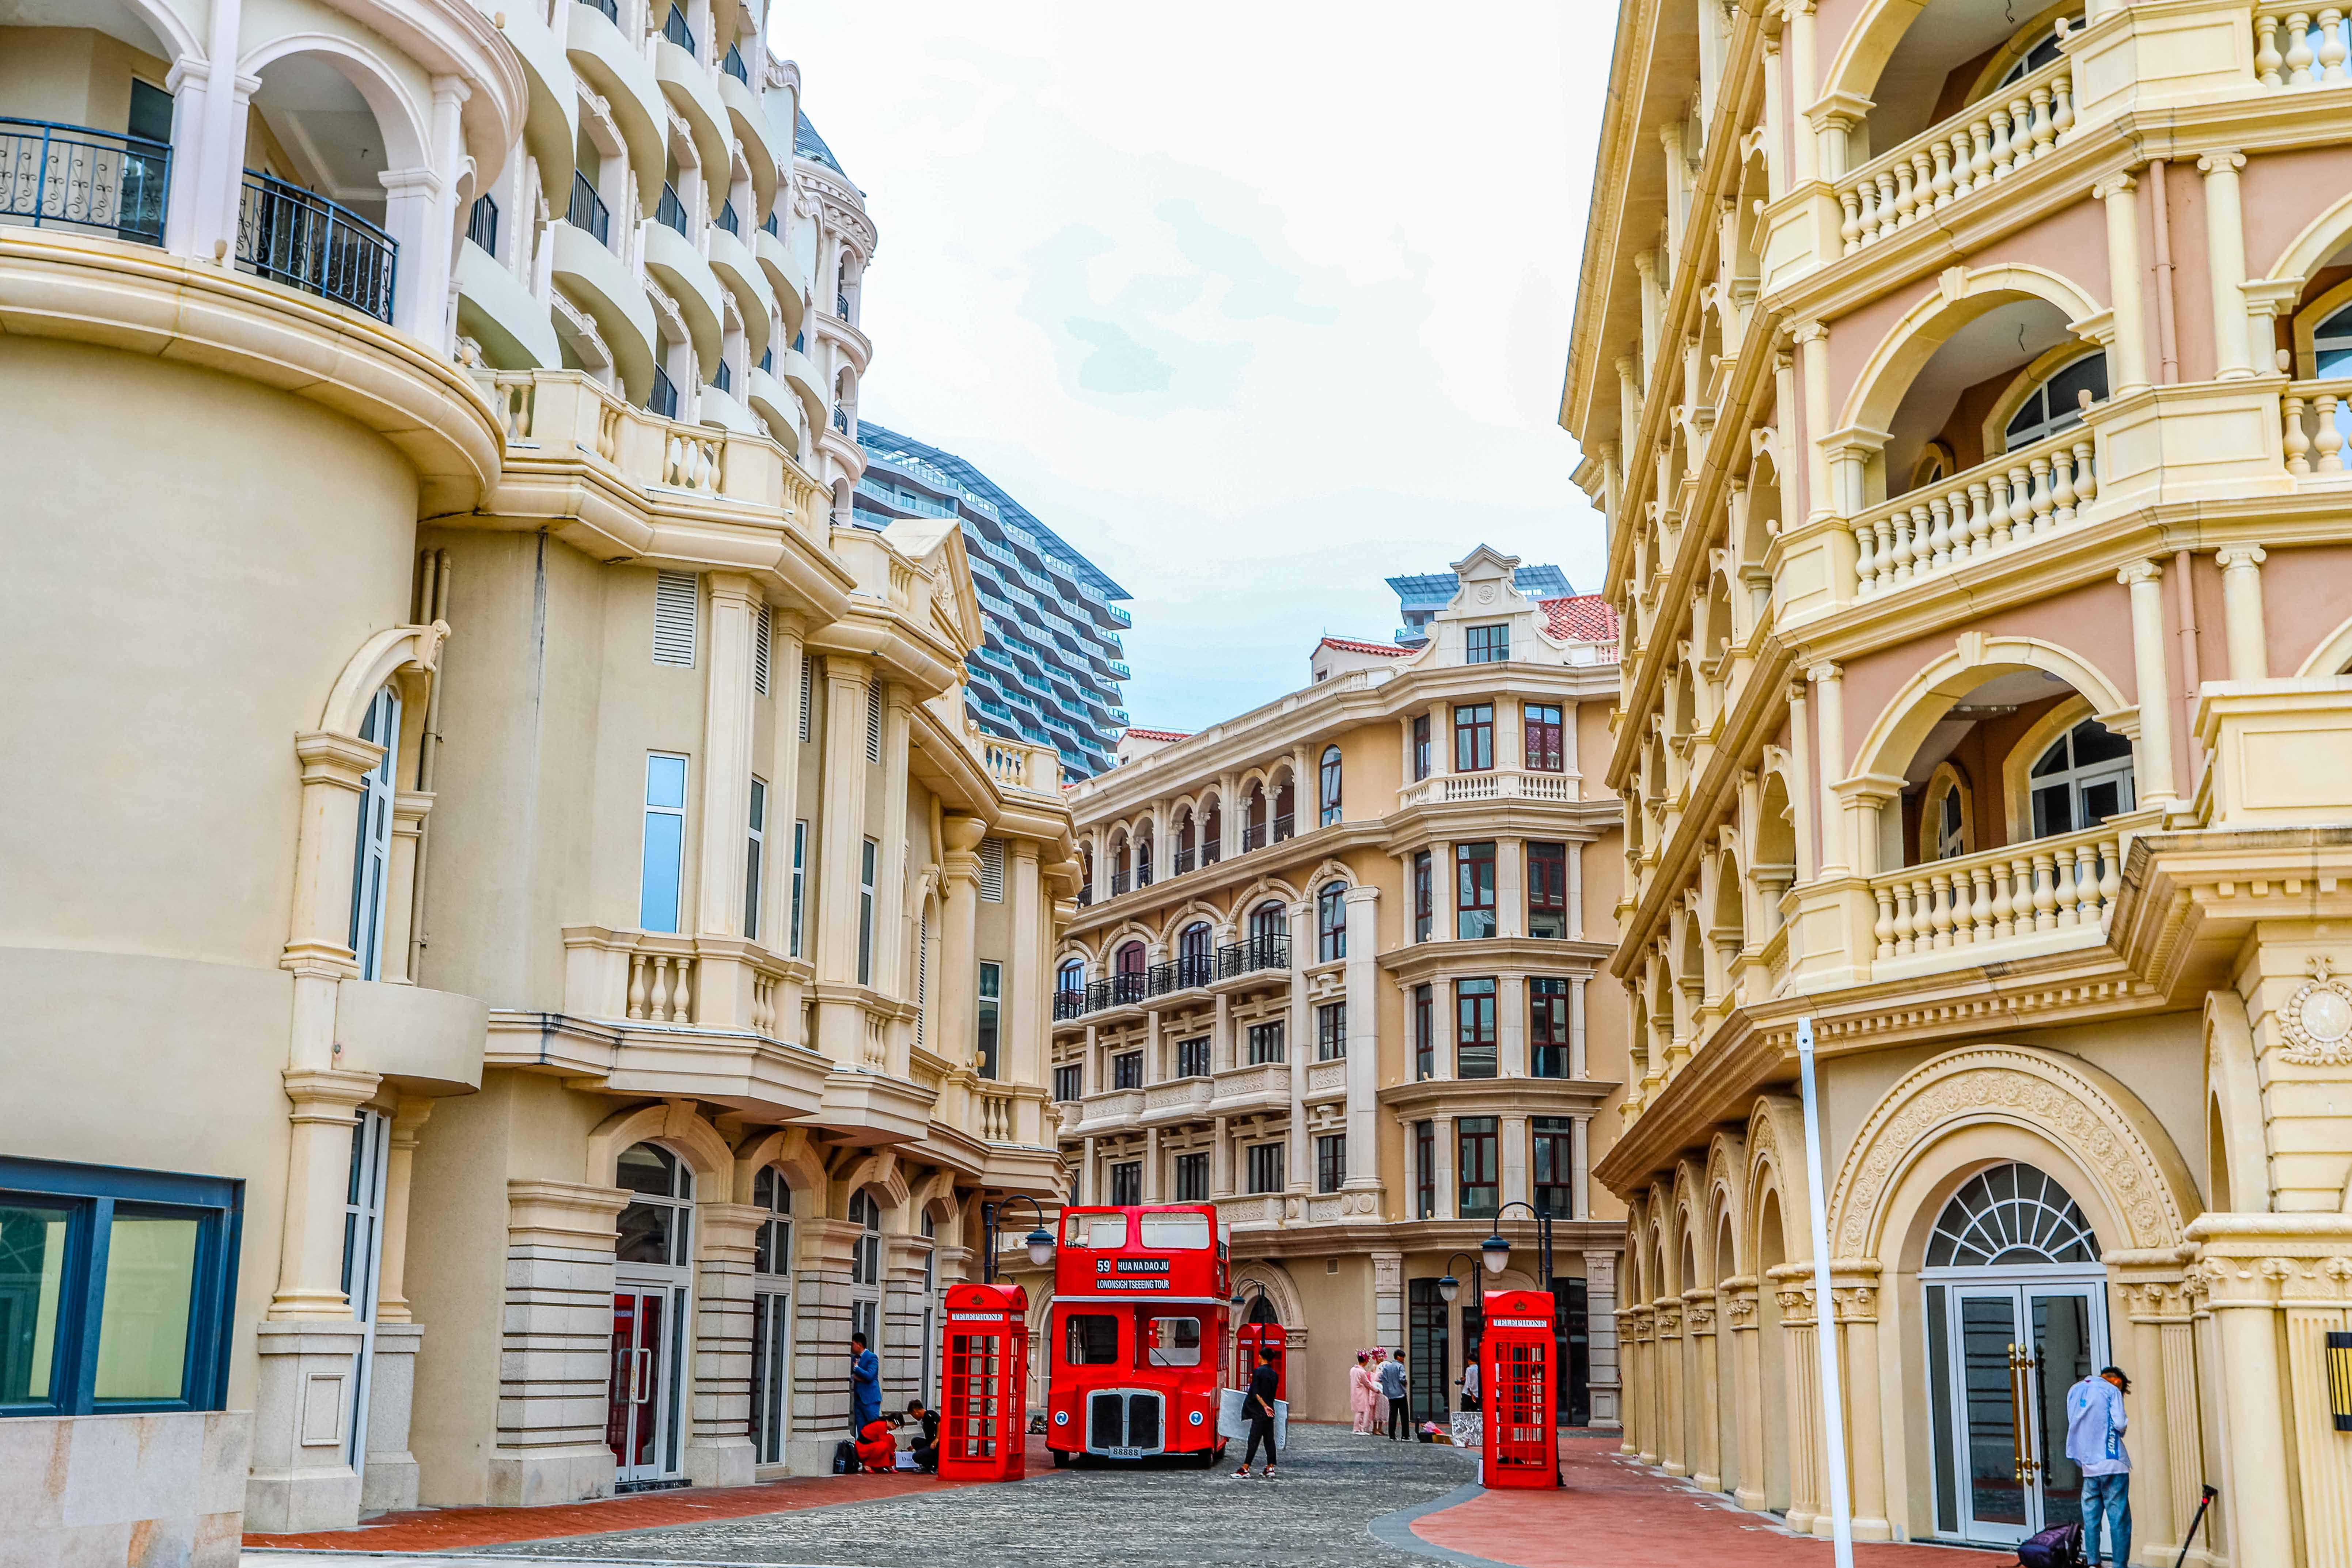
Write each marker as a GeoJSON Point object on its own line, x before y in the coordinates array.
{"type": "Point", "coordinates": [1380, 1399]}
{"type": "Point", "coordinates": [1359, 1392]}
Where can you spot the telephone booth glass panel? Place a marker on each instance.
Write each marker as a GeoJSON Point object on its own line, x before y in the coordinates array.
{"type": "Point", "coordinates": [984, 1384]}
{"type": "Point", "coordinates": [1516, 1383]}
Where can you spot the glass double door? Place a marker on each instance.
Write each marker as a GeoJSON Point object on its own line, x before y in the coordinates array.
{"type": "Point", "coordinates": [2011, 1352]}
{"type": "Point", "coordinates": [642, 1420]}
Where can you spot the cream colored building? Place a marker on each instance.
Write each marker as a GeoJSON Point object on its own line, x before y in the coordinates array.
{"type": "Point", "coordinates": [516, 949]}
{"type": "Point", "coordinates": [1279, 997]}
{"type": "Point", "coordinates": [1960, 381]}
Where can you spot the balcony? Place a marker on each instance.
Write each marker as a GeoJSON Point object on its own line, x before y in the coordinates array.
{"type": "Point", "coordinates": [56, 176]}
{"type": "Point", "coordinates": [1493, 783]}
{"type": "Point", "coordinates": [675, 29]}
{"type": "Point", "coordinates": [1986, 142]}
{"type": "Point", "coordinates": [1259, 953]}
{"type": "Point", "coordinates": [1999, 903]}
{"type": "Point", "coordinates": [1069, 1004]}
{"type": "Point", "coordinates": [1993, 507]}
{"type": "Point", "coordinates": [288, 235]}
{"type": "Point", "coordinates": [1259, 1083]}
{"type": "Point", "coordinates": [669, 210]}
{"type": "Point", "coordinates": [588, 211]}
{"type": "Point", "coordinates": [1181, 973]}
{"type": "Point", "coordinates": [1252, 836]}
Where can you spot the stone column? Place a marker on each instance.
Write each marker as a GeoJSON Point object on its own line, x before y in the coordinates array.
{"type": "Point", "coordinates": [388, 1470]}
{"type": "Point", "coordinates": [1814, 371]}
{"type": "Point", "coordinates": [1361, 978]}
{"type": "Point", "coordinates": [2243, 1296]}
{"type": "Point", "coordinates": [2225, 265]}
{"type": "Point", "coordinates": [2152, 1286]}
{"type": "Point", "coordinates": [1299, 1035]}
{"type": "Point", "coordinates": [1706, 1450]}
{"type": "Point", "coordinates": [2242, 611]}
{"type": "Point", "coordinates": [556, 1339]}
{"type": "Point", "coordinates": [1674, 1440]}
{"type": "Point", "coordinates": [718, 1451]}
{"type": "Point", "coordinates": [1220, 1156]}
{"type": "Point", "coordinates": [1605, 1373]}
{"type": "Point", "coordinates": [1791, 1283]}
{"type": "Point", "coordinates": [893, 974]}
{"type": "Point", "coordinates": [1641, 1407]}
{"type": "Point", "coordinates": [1837, 852]}
{"type": "Point", "coordinates": [1801, 768]}
{"type": "Point", "coordinates": [1448, 1150]}
{"type": "Point", "coordinates": [2146, 581]}
{"type": "Point", "coordinates": [955, 990]}
{"type": "Point", "coordinates": [1151, 1163]}
{"type": "Point", "coordinates": [1511, 1141]}
{"type": "Point", "coordinates": [841, 832]}
{"type": "Point", "coordinates": [1855, 1286]}
{"type": "Point", "coordinates": [1511, 1025]}
{"type": "Point", "coordinates": [1739, 1305]}
{"type": "Point", "coordinates": [726, 760]}
{"type": "Point", "coordinates": [2128, 360]}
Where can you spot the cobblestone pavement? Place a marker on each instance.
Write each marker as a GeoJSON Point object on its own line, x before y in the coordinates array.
{"type": "Point", "coordinates": [1314, 1514]}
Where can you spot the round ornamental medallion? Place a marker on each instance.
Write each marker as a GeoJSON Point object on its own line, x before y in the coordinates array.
{"type": "Point", "coordinates": [2317, 1022]}
{"type": "Point", "coordinates": [1485, 592]}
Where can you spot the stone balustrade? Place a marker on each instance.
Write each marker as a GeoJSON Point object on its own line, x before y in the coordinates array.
{"type": "Point", "coordinates": [1984, 143]}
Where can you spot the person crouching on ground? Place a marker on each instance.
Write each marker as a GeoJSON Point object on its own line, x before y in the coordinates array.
{"type": "Point", "coordinates": [927, 1447]}
{"type": "Point", "coordinates": [877, 1450]}
{"type": "Point", "coordinates": [1258, 1406]}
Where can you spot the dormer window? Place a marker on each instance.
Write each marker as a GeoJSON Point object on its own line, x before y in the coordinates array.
{"type": "Point", "coordinates": [1488, 644]}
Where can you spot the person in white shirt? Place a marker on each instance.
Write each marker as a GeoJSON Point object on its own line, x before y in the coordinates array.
{"type": "Point", "coordinates": [1470, 1380]}
{"type": "Point", "coordinates": [2094, 1442]}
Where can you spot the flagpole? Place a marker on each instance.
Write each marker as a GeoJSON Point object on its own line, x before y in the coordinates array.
{"type": "Point", "coordinates": [1824, 1307]}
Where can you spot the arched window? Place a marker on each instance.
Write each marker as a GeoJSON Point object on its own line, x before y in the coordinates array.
{"type": "Point", "coordinates": [2056, 403]}
{"type": "Point", "coordinates": [771, 1315]}
{"type": "Point", "coordinates": [1195, 957]}
{"type": "Point", "coordinates": [1143, 862]}
{"type": "Point", "coordinates": [1331, 922]}
{"type": "Point", "coordinates": [1330, 787]}
{"type": "Point", "coordinates": [2083, 778]}
{"type": "Point", "coordinates": [2331, 344]}
{"type": "Point", "coordinates": [654, 1227]}
{"type": "Point", "coordinates": [2011, 1214]}
{"type": "Point", "coordinates": [2041, 54]}
{"type": "Point", "coordinates": [1072, 976]}
{"type": "Point", "coordinates": [371, 874]}
{"type": "Point", "coordinates": [1943, 820]}
{"type": "Point", "coordinates": [866, 1267]}
{"type": "Point", "coordinates": [1127, 982]}
{"type": "Point", "coordinates": [1269, 934]}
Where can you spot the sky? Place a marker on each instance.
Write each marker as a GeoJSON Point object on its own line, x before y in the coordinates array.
{"type": "Point", "coordinates": [1255, 304]}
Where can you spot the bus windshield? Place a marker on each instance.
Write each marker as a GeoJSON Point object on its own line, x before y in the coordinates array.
{"type": "Point", "coordinates": [1097, 1230]}
{"type": "Point", "coordinates": [1174, 1342]}
{"type": "Point", "coordinates": [1174, 1232]}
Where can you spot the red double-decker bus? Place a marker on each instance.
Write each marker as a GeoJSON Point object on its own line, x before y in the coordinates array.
{"type": "Point", "coordinates": [1137, 1330]}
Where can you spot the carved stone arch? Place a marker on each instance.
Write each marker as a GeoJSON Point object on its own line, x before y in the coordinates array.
{"type": "Point", "coordinates": [401, 122]}
{"type": "Point", "coordinates": [1330, 871]}
{"type": "Point", "coordinates": [1072, 947]}
{"type": "Point", "coordinates": [2335, 650]}
{"type": "Point", "coordinates": [1777, 1124]}
{"type": "Point", "coordinates": [676, 1125]}
{"type": "Point", "coordinates": [1688, 1211]}
{"type": "Point", "coordinates": [1901, 727]}
{"type": "Point", "coordinates": [1661, 1270]}
{"type": "Point", "coordinates": [1637, 1283]}
{"type": "Point", "coordinates": [1191, 910]}
{"type": "Point", "coordinates": [2233, 1110]}
{"type": "Point", "coordinates": [2308, 251]}
{"type": "Point", "coordinates": [2131, 1174]}
{"type": "Point", "coordinates": [879, 1170]}
{"type": "Point", "coordinates": [1963, 294]}
{"type": "Point", "coordinates": [788, 1148]}
{"type": "Point", "coordinates": [1130, 930]}
{"type": "Point", "coordinates": [935, 1195]}
{"type": "Point", "coordinates": [1726, 1196]}
{"type": "Point", "coordinates": [1280, 1289]}
{"type": "Point", "coordinates": [380, 658]}
{"type": "Point", "coordinates": [1259, 892]}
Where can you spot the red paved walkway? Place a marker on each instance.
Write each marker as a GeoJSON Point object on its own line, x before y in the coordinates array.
{"type": "Point", "coordinates": [458, 1528]}
{"type": "Point", "coordinates": [1615, 1513]}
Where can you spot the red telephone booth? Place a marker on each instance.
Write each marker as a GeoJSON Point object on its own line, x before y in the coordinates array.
{"type": "Point", "coordinates": [1515, 1382]}
{"type": "Point", "coordinates": [1250, 1338]}
{"type": "Point", "coordinates": [984, 1384]}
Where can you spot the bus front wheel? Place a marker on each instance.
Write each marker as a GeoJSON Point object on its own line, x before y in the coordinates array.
{"type": "Point", "coordinates": [1061, 1459]}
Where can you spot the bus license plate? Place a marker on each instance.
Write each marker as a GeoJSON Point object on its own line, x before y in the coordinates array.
{"type": "Point", "coordinates": [1122, 1453]}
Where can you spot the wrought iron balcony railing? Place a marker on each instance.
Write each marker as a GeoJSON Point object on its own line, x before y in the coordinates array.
{"type": "Point", "coordinates": [1248, 957]}
{"type": "Point", "coordinates": [295, 237]}
{"type": "Point", "coordinates": [588, 210]}
{"type": "Point", "coordinates": [53, 175]}
{"type": "Point", "coordinates": [671, 211]}
{"type": "Point", "coordinates": [482, 222]}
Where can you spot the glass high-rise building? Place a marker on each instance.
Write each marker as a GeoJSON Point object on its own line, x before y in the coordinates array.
{"type": "Point", "coordinates": [1051, 668]}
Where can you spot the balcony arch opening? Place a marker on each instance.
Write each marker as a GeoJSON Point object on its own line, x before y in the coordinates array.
{"type": "Point", "coordinates": [1922, 67]}
{"type": "Point", "coordinates": [1213, 831]}
{"type": "Point", "coordinates": [336, 190]}
{"type": "Point", "coordinates": [2004, 379]}
{"type": "Point", "coordinates": [102, 162]}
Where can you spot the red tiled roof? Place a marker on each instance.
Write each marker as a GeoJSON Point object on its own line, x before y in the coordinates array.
{"type": "Point", "coordinates": [1350, 645]}
{"type": "Point", "coordinates": [1582, 617]}
{"type": "Point", "coordinates": [1142, 734]}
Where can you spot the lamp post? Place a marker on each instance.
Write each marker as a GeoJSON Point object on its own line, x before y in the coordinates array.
{"type": "Point", "coordinates": [1449, 1286]}
{"type": "Point", "coordinates": [1041, 1240]}
{"type": "Point", "coordinates": [1256, 1285]}
{"type": "Point", "coordinates": [1497, 1251]}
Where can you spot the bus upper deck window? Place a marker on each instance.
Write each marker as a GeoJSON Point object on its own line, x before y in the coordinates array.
{"type": "Point", "coordinates": [1096, 1230]}
{"type": "Point", "coordinates": [1174, 1232]}
{"type": "Point", "coordinates": [1175, 1341]}
{"type": "Point", "coordinates": [1093, 1339]}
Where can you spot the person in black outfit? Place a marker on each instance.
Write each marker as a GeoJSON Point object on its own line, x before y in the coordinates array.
{"type": "Point", "coordinates": [927, 1447]}
{"type": "Point", "coordinates": [1258, 1406]}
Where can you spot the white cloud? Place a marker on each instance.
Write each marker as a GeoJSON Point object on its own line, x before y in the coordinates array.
{"type": "Point", "coordinates": [1256, 304]}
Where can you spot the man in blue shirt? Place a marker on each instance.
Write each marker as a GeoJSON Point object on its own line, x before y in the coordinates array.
{"type": "Point", "coordinates": [2094, 1442]}
{"type": "Point", "coordinates": [864, 1384]}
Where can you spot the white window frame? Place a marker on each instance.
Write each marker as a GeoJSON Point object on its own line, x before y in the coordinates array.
{"type": "Point", "coordinates": [869, 861]}
{"type": "Point", "coordinates": [800, 879]}
{"type": "Point", "coordinates": [2053, 420]}
{"type": "Point", "coordinates": [371, 857]}
{"type": "Point", "coordinates": [755, 859]}
{"type": "Point", "coordinates": [2078, 777]}
{"type": "Point", "coordinates": [645, 854]}
{"type": "Point", "coordinates": [363, 1261]}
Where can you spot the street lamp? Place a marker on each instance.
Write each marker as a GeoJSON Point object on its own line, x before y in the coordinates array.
{"type": "Point", "coordinates": [1041, 1240]}
{"type": "Point", "coordinates": [1496, 1252]}
{"type": "Point", "coordinates": [1258, 1285]}
{"type": "Point", "coordinates": [1449, 1286]}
